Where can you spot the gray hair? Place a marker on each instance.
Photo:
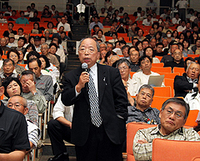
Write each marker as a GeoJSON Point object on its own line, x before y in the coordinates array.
{"type": "Point", "coordinates": [24, 100]}
{"type": "Point", "coordinates": [123, 60]}
{"type": "Point", "coordinates": [178, 101]}
{"type": "Point", "coordinates": [45, 44]}
{"type": "Point", "coordinates": [103, 44]}
{"type": "Point", "coordinates": [28, 72]}
{"type": "Point", "coordinates": [148, 87]}
{"type": "Point", "coordinates": [97, 43]}
{"type": "Point", "coordinates": [190, 64]}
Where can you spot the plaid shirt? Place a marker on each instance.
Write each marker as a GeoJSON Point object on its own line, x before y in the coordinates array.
{"type": "Point", "coordinates": [144, 151]}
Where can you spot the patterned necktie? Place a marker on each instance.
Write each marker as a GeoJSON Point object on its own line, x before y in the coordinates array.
{"type": "Point", "coordinates": [94, 103]}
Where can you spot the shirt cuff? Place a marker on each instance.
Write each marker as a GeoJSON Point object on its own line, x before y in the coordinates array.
{"type": "Point", "coordinates": [76, 92]}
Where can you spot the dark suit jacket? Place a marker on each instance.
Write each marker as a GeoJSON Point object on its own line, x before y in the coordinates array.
{"type": "Point", "coordinates": [181, 84]}
{"type": "Point", "coordinates": [112, 103]}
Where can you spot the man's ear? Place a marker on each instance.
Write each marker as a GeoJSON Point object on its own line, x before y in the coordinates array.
{"type": "Point", "coordinates": [1, 90]}
{"type": "Point", "coordinates": [25, 111]}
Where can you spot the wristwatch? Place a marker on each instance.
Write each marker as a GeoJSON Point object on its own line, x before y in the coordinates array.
{"type": "Point", "coordinates": [35, 94]}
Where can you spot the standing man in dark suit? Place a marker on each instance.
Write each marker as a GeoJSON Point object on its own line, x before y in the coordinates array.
{"type": "Point", "coordinates": [100, 107]}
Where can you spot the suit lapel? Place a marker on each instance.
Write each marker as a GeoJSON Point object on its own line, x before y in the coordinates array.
{"type": "Point", "coordinates": [101, 82]}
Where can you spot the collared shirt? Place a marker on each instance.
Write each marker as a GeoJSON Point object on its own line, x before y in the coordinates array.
{"type": "Point", "coordinates": [66, 26]}
{"type": "Point", "coordinates": [134, 67]}
{"type": "Point", "coordinates": [13, 130]}
{"type": "Point", "coordinates": [182, 4]}
{"type": "Point", "coordinates": [45, 84]}
{"type": "Point", "coordinates": [39, 100]}
{"type": "Point", "coordinates": [144, 151]}
{"type": "Point", "coordinates": [136, 115]}
{"type": "Point", "coordinates": [3, 76]}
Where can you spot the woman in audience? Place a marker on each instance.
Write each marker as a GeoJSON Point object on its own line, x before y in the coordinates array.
{"type": "Point", "coordinates": [50, 28]}
{"type": "Point", "coordinates": [100, 35]}
{"type": "Point", "coordinates": [149, 52]}
{"type": "Point", "coordinates": [36, 28]}
{"type": "Point", "coordinates": [158, 37]}
{"type": "Point", "coordinates": [28, 49]}
{"type": "Point", "coordinates": [13, 54]}
{"type": "Point", "coordinates": [49, 69]}
{"type": "Point", "coordinates": [31, 40]}
{"type": "Point", "coordinates": [181, 37]}
{"type": "Point", "coordinates": [169, 36]}
{"type": "Point", "coordinates": [114, 18]}
{"type": "Point", "coordinates": [138, 45]}
{"type": "Point", "coordinates": [175, 35]}
{"type": "Point", "coordinates": [46, 13]}
{"type": "Point", "coordinates": [186, 51]}
{"type": "Point", "coordinates": [21, 57]}
{"type": "Point", "coordinates": [155, 26]}
{"type": "Point", "coordinates": [13, 87]}
{"type": "Point", "coordinates": [115, 38]}
{"type": "Point", "coordinates": [194, 37]}
{"type": "Point", "coordinates": [188, 36]}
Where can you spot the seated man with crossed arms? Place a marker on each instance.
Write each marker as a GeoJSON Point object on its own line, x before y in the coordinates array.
{"type": "Point", "coordinates": [173, 116]}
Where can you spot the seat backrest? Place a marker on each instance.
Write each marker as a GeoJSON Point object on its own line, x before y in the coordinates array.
{"type": "Point", "coordinates": [131, 74]}
{"type": "Point", "coordinates": [174, 150]}
{"type": "Point", "coordinates": [179, 70]}
{"type": "Point", "coordinates": [157, 64]}
{"type": "Point", "coordinates": [161, 69]}
{"type": "Point", "coordinates": [171, 75]}
{"type": "Point", "coordinates": [163, 91]}
{"type": "Point", "coordinates": [170, 83]}
{"type": "Point", "coordinates": [191, 120]}
{"type": "Point", "coordinates": [158, 101]}
{"type": "Point", "coordinates": [132, 128]}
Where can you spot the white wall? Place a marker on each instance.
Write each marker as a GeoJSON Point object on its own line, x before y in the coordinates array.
{"type": "Point", "coordinates": [129, 5]}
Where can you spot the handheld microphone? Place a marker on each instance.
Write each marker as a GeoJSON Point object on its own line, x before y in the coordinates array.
{"type": "Point", "coordinates": [84, 66]}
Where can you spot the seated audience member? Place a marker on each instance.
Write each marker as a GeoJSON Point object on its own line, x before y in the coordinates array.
{"type": "Point", "coordinates": [44, 83]}
{"type": "Point", "coordinates": [177, 60]}
{"type": "Point", "coordinates": [64, 24]}
{"type": "Point", "coordinates": [10, 30]}
{"type": "Point", "coordinates": [109, 33]}
{"type": "Point", "coordinates": [175, 111]}
{"type": "Point", "coordinates": [139, 35]}
{"type": "Point", "coordinates": [148, 21]}
{"type": "Point", "coordinates": [145, 44]}
{"type": "Point", "coordinates": [182, 27]}
{"type": "Point", "coordinates": [139, 47]}
{"type": "Point", "coordinates": [20, 44]}
{"type": "Point", "coordinates": [188, 82]}
{"type": "Point", "coordinates": [13, 54]}
{"type": "Point", "coordinates": [188, 61]}
{"type": "Point", "coordinates": [159, 50]}
{"type": "Point", "coordinates": [4, 47]}
{"type": "Point", "coordinates": [19, 104]}
{"type": "Point", "coordinates": [46, 13]}
{"type": "Point", "coordinates": [36, 28]}
{"type": "Point", "coordinates": [166, 27]}
{"type": "Point", "coordinates": [22, 19]}
{"type": "Point", "coordinates": [20, 33]}
{"type": "Point", "coordinates": [196, 47]}
{"type": "Point", "coordinates": [28, 13]}
{"type": "Point", "coordinates": [107, 21]}
{"type": "Point", "coordinates": [125, 51]}
{"type": "Point", "coordinates": [134, 59]}
{"type": "Point", "coordinates": [13, 17]}
{"type": "Point", "coordinates": [151, 34]}
{"type": "Point", "coordinates": [30, 92]}
{"type": "Point", "coordinates": [176, 20]}
{"type": "Point", "coordinates": [109, 46]}
{"type": "Point", "coordinates": [142, 112]}
{"type": "Point", "coordinates": [142, 77]}
{"type": "Point", "coordinates": [153, 43]}
{"type": "Point", "coordinates": [12, 43]}
{"type": "Point", "coordinates": [149, 52]}
{"type": "Point", "coordinates": [193, 99]}
{"type": "Point", "coordinates": [114, 38]}
{"type": "Point", "coordinates": [186, 51]}
{"type": "Point", "coordinates": [117, 48]}
{"type": "Point", "coordinates": [113, 60]}
{"type": "Point", "coordinates": [59, 129]}
{"type": "Point", "coordinates": [96, 22]}
{"type": "Point", "coordinates": [50, 28]}
{"type": "Point", "coordinates": [124, 68]}
{"type": "Point", "coordinates": [100, 35]}
{"type": "Point", "coordinates": [8, 69]}
{"type": "Point", "coordinates": [37, 43]}
{"type": "Point", "coordinates": [13, 87]}
{"type": "Point", "coordinates": [168, 58]}
{"type": "Point", "coordinates": [35, 18]}
{"type": "Point", "coordinates": [49, 69]}
{"type": "Point", "coordinates": [2, 19]}
{"type": "Point", "coordinates": [101, 59]}
{"type": "Point", "coordinates": [52, 50]}
{"type": "Point", "coordinates": [14, 143]}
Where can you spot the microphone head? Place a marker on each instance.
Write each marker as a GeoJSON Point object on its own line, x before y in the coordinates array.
{"type": "Point", "coordinates": [84, 66]}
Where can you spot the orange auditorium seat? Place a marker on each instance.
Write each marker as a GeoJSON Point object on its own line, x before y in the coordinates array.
{"type": "Point", "coordinates": [163, 91]}
{"type": "Point", "coordinates": [171, 75]}
{"type": "Point", "coordinates": [132, 128]}
{"type": "Point", "coordinates": [170, 83]}
{"type": "Point", "coordinates": [179, 70]}
{"type": "Point", "coordinates": [191, 120]}
{"type": "Point", "coordinates": [161, 69]}
{"type": "Point", "coordinates": [157, 64]}
{"type": "Point", "coordinates": [131, 74]}
{"type": "Point", "coordinates": [158, 101]}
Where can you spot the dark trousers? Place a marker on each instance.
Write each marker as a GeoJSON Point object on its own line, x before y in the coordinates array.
{"type": "Point", "coordinates": [99, 147]}
{"type": "Point", "coordinates": [57, 133]}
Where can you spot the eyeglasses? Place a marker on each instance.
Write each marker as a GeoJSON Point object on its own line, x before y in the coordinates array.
{"type": "Point", "coordinates": [16, 105]}
{"type": "Point", "coordinates": [170, 111]}
{"type": "Point", "coordinates": [124, 67]}
{"type": "Point", "coordinates": [89, 50]}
